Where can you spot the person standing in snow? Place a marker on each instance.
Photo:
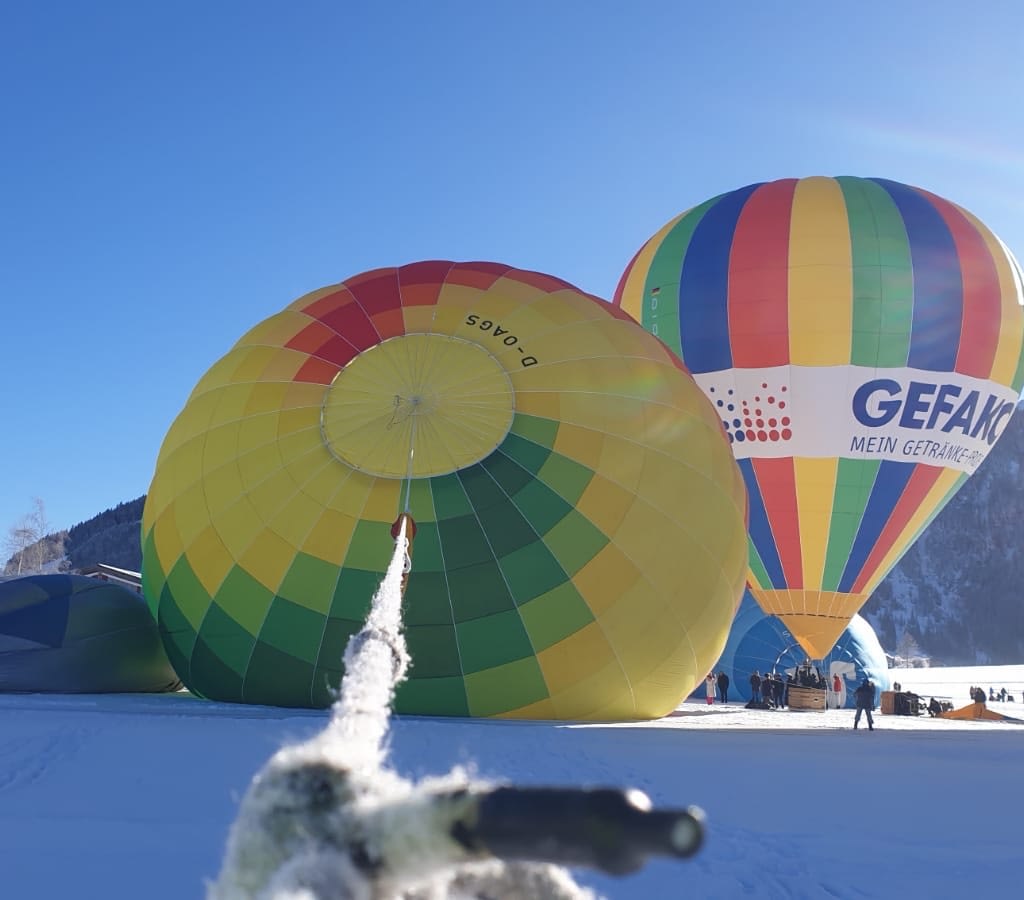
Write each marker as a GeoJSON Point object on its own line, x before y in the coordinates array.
{"type": "Point", "coordinates": [865, 697]}
{"type": "Point", "coordinates": [755, 687]}
{"type": "Point", "coordinates": [709, 687]}
{"type": "Point", "coordinates": [723, 687]}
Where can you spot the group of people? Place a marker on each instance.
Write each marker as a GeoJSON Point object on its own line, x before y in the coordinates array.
{"type": "Point", "coordinates": [978, 695]}
{"type": "Point", "coordinates": [768, 689]}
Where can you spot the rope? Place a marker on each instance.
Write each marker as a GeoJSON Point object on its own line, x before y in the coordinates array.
{"type": "Point", "coordinates": [408, 472]}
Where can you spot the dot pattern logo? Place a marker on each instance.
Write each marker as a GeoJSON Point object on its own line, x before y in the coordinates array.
{"type": "Point", "coordinates": [760, 419]}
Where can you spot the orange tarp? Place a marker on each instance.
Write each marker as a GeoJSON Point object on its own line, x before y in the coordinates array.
{"type": "Point", "coordinates": [973, 711]}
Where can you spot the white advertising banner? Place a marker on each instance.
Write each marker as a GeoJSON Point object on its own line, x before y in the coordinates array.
{"type": "Point", "coordinates": [905, 415]}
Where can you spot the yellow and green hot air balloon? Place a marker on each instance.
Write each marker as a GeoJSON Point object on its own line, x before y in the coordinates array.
{"type": "Point", "coordinates": [862, 342]}
{"type": "Point", "coordinates": [580, 545]}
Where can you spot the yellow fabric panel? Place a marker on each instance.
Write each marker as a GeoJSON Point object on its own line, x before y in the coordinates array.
{"type": "Point", "coordinates": [250, 362]}
{"type": "Point", "coordinates": [276, 330]}
{"type": "Point", "coordinates": [296, 518]}
{"type": "Point", "coordinates": [605, 503]}
{"type": "Point", "coordinates": [385, 501]}
{"type": "Point", "coordinates": [298, 419]}
{"type": "Point", "coordinates": [418, 319]}
{"type": "Point", "coordinates": [542, 709]}
{"type": "Point", "coordinates": [192, 421]}
{"type": "Point", "coordinates": [560, 663]}
{"type": "Point", "coordinates": [344, 491]}
{"type": "Point", "coordinates": [168, 543]}
{"type": "Point", "coordinates": [258, 463]}
{"type": "Point", "coordinates": [222, 487]}
{"type": "Point", "coordinates": [603, 694]}
{"type": "Point", "coordinates": [238, 526]}
{"type": "Point", "coordinates": [580, 444]}
{"type": "Point", "coordinates": [267, 559]}
{"type": "Point", "coordinates": [541, 404]}
{"type": "Point", "coordinates": [329, 537]}
{"type": "Point", "coordinates": [267, 398]}
{"type": "Point", "coordinates": [270, 495]}
{"type": "Point", "coordinates": [309, 299]}
{"type": "Point", "coordinates": [815, 481]}
{"type": "Point", "coordinates": [210, 559]}
{"type": "Point", "coordinates": [820, 275]}
{"type": "Point", "coordinates": [190, 513]}
{"type": "Point", "coordinates": [639, 631]}
{"type": "Point", "coordinates": [816, 618]}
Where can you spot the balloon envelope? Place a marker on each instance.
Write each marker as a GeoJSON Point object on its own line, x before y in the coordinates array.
{"type": "Point", "coordinates": [580, 520]}
{"type": "Point", "coordinates": [862, 341]}
{"type": "Point", "coordinates": [73, 634]}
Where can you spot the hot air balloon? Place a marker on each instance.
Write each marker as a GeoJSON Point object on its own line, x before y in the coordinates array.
{"type": "Point", "coordinates": [72, 634]}
{"type": "Point", "coordinates": [862, 341]}
{"type": "Point", "coordinates": [580, 540]}
{"type": "Point", "coordinates": [762, 643]}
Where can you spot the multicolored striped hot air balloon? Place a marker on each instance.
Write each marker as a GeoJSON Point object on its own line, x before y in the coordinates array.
{"type": "Point", "coordinates": [862, 341]}
{"type": "Point", "coordinates": [580, 520]}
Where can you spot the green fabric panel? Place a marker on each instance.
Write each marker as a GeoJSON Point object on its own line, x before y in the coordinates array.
{"type": "Point", "coordinates": [434, 651]}
{"type": "Point", "coordinates": [541, 506]}
{"type": "Point", "coordinates": [575, 541]}
{"type": "Point", "coordinates": [759, 573]}
{"type": "Point", "coordinates": [664, 273]}
{"type": "Point", "coordinates": [522, 452]}
{"type": "Point", "coordinates": [509, 473]}
{"type": "Point", "coordinates": [178, 636]}
{"type": "Point", "coordinates": [371, 546]}
{"type": "Point", "coordinates": [533, 428]}
{"type": "Point", "coordinates": [153, 577]}
{"type": "Point", "coordinates": [353, 594]}
{"type": "Point", "coordinates": [324, 690]}
{"type": "Point", "coordinates": [293, 629]}
{"type": "Point", "coordinates": [478, 591]}
{"type": "Point", "coordinates": [426, 548]}
{"type": "Point", "coordinates": [492, 641]}
{"type": "Point", "coordinates": [189, 593]}
{"type": "Point", "coordinates": [566, 477]}
{"type": "Point", "coordinates": [555, 616]}
{"type": "Point", "coordinates": [276, 678]}
{"type": "Point", "coordinates": [432, 697]}
{"type": "Point", "coordinates": [209, 670]}
{"type": "Point", "coordinates": [532, 571]}
{"type": "Point", "coordinates": [241, 588]}
{"type": "Point", "coordinates": [307, 575]}
{"type": "Point", "coordinates": [450, 500]}
{"type": "Point", "coordinates": [234, 644]}
{"type": "Point", "coordinates": [505, 688]}
{"type": "Point", "coordinates": [463, 542]}
{"type": "Point", "coordinates": [426, 599]}
{"type": "Point", "coordinates": [333, 643]}
{"type": "Point", "coordinates": [854, 480]}
{"type": "Point", "coordinates": [883, 286]}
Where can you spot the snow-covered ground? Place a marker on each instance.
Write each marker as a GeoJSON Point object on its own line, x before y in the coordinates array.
{"type": "Point", "coordinates": [122, 796]}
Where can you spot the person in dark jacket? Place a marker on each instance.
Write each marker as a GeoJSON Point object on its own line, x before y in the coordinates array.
{"type": "Point", "coordinates": [755, 687]}
{"type": "Point", "coordinates": [723, 687]}
{"type": "Point", "coordinates": [865, 697]}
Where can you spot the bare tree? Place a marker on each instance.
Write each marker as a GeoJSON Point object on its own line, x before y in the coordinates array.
{"type": "Point", "coordinates": [24, 542]}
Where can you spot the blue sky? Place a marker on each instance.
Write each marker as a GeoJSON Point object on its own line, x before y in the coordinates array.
{"type": "Point", "coordinates": [173, 173]}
